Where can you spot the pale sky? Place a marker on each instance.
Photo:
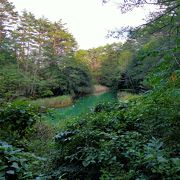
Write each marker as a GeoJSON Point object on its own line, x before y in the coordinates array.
{"type": "Point", "coordinates": [88, 20]}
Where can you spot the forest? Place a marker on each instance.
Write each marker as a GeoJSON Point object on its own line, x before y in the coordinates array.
{"type": "Point", "coordinates": [42, 68]}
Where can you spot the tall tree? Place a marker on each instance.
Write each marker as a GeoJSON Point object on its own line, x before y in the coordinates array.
{"type": "Point", "coordinates": [60, 42]}
{"type": "Point", "coordinates": [8, 19]}
{"type": "Point", "coordinates": [25, 36]}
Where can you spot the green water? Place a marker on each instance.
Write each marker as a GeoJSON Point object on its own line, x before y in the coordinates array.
{"type": "Point", "coordinates": [82, 105]}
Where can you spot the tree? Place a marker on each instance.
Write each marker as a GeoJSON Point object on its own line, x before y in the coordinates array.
{"type": "Point", "coordinates": [79, 77]}
{"type": "Point", "coordinates": [8, 18]}
{"type": "Point", "coordinates": [36, 54]}
{"type": "Point", "coordinates": [163, 22]}
{"type": "Point", "coordinates": [110, 69]}
{"type": "Point", "coordinates": [25, 36]}
{"type": "Point", "coordinates": [71, 77]}
{"type": "Point", "coordinates": [60, 43]}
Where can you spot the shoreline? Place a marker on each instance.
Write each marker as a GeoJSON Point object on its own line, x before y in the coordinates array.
{"type": "Point", "coordinates": [66, 100]}
{"type": "Point", "coordinates": [98, 89]}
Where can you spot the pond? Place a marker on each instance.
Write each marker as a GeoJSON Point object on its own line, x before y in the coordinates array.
{"type": "Point", "coordinates": [82, 105]}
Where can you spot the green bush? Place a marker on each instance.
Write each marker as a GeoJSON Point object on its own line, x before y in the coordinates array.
{"type": "Point", "coordinates": [16, 164]}
{"type": "Point", "coordinates": [40, 141]}
{"type": "Point", "coordinates": [17, 119]}
{"type": "Point", "coordinates": [137, 139]}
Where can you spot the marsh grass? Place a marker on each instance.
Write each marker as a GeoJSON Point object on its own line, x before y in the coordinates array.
{"type": "Point", "coordinates": [54, 102]}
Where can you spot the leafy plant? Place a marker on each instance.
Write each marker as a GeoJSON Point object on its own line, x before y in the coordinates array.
{"type": "Point", "coordinates": [17, 119]}
{"type": "Point", "coordinates": [16, 164]}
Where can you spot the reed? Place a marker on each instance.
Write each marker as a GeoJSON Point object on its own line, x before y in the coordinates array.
{"type": "Point", "coordinates": [54, 102]}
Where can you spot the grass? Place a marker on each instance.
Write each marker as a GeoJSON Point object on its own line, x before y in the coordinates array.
{"type": "Point", "coordinates": [54, 102]}
{"type": "Point", "coordinates": [126, 96]}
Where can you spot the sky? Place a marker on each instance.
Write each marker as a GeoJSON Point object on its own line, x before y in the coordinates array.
{"type": "Point", "coordinates": [88, 20]}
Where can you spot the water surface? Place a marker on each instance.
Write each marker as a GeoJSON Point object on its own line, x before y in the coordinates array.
{"type": "Point", "coordinates": [82, 105]}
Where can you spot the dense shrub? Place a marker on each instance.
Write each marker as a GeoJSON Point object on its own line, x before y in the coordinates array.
{"type": "Point", "coordinates": [16, 164]}
{"type": "Point", "coordinates": [40, 141]}
{"type": "Point", "coordinates": [17, 119]}
{"type": "Point", "coordinates": [105, 145]}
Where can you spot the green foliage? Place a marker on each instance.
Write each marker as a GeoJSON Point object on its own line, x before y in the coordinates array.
{"type": "Point", "coordinates": [11, 77]}
{"type": "Point", "coordinates": [135, 139]}
{"type": "Point", "coordinates": [38, 68]}
{"type": "Point", "coordinates": [115, 64]}
{"type": "Point", "coordinates": [161, 104]}
{"type": "Point", "coordinates": [71, 77]}
{"type": "Point", "coordinates": [78, 147]}
{"type": "Point", "coordinates": [17, 119]}
{"type": "Point", "coordinates": [40, 141]}
{"type": "Point", "coordinates": [79, 82]}
{"type": "Point", "coordinates": [108, 107]}
{"type": "Point", "coordinates": [116, 142]}
{"type": "Point", "coordinates": [11, 82]}
{"type": "Point", "coordinates": [6, 57]}
{"type": "Point", "coordinates": [54, 80]}
{"type": "Point", "coordinates": [157, 160]}
{"type": "Point", "coordinates": [110, 71]}
{"type": "Point", "coordinates": [16, 164]}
